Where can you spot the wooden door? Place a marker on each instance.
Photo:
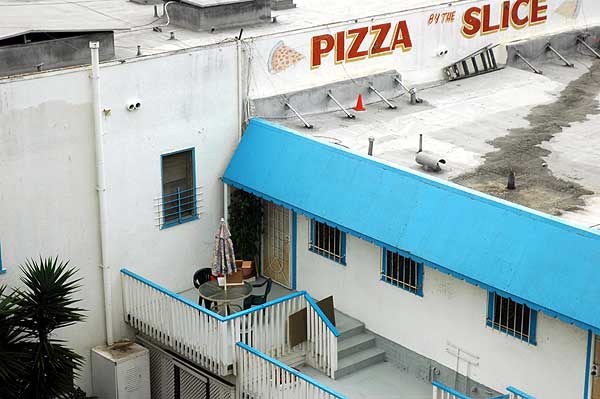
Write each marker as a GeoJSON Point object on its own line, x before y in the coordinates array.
{"type": "Point", "coordinates": [276, 244]}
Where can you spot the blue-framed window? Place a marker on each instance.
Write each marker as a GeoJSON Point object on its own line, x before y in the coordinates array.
{"type": "Point", "coordinates": [327, 241]}
{"type": "Point", "coordinates": [179, 192]}
{"type": "Point", "coordinates": [512, 318]}
{"type": "Point", "coordinates": [402, 271]}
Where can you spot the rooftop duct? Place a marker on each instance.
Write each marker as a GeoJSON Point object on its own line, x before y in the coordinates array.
{"type": "Point", "coordinates": [203, 15]}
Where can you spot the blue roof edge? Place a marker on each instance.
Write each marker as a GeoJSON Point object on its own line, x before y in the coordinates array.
{"type": "Point", "coordinates": [442, 184]}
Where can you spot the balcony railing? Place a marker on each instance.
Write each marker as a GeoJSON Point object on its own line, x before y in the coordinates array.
{"type": "Point", "coordinates": [262, 377]}
{"type": "Point", "coordinates": [209, 339]}
{"type": "Point", "coordinates": [441, 391]}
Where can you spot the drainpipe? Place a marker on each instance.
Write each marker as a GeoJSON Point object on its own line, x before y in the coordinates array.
{"type": "Point", "coordinates": [101, 189]}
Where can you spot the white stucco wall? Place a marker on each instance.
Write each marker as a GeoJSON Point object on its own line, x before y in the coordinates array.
{"type": "Point", "coordinates": [48, 202]}
{"type": "Point", "coordinates": [450, 311]}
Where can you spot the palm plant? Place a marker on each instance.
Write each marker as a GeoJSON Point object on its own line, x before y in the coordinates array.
{"type": "Point", "coordinates": [46, 303]}
{"type": "Point", "coordinates": [13, 356]}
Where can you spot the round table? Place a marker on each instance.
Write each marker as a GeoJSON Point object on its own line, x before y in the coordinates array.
{"type": "Point", "coordinates": [212, 292]}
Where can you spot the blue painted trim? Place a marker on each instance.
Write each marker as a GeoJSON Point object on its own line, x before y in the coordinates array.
{"type": "Point", "coordinates": [533, 315]}
{"type": "Point", "coordinates": [2, 269]}
{"type": "Point", "coordinates": [328, 323]}
{"type": "Point", "coordinates": [520, 393]}
{"type": "Point", "coordinates": [290, 370]}
{"type": "Point", "coordinates": [294, 249]}
{"type": "Point", "coordinates": [588, 364]}
{"type": "Point", "coordinates": [314, 249]}
{"type": "Point", "coordinates": [442, 269]}
{"type": "Point", "coordinates": [194, 216]}
{"type": "Point", "coordinates": [449, 390]}
{"type": "Point", "coordinates": [419, 273]}
{"type": "Point", "coordinates": [506, 396]}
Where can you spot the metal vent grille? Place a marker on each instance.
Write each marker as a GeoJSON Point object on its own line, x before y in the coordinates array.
{"type": "Point", "coordinates": [192, 387]}
{"type": "Point", "coordinates": [172, 379]}
{"type": "Point", "coordinates": [162, 384]}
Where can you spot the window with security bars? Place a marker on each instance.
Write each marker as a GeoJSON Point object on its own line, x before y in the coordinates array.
{"type": "Point", "coordinates": [178, 186]}
{"type": "Point", "coordinates": [327, 241]}
{"type": "Point", "coordinates": [512, 318]}
{"type": "Point", "coordinates": [402, 272]}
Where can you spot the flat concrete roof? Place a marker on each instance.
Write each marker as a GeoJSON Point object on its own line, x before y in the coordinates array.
{"type": "Point", "coordinates": [134, 22]}
{"type": "Point", "coordinates": [543, 127]}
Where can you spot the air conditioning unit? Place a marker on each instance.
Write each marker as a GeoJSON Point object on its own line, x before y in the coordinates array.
{"type": "Point", "coordinates": [121, 372]}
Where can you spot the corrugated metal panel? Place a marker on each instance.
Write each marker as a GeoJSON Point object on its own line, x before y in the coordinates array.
{"type": "Point", "coordinates": [537, 259]}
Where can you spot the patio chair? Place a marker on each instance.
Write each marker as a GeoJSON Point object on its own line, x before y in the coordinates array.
{"type": "Point", "coordinates": [254, 300]}
{"type": "Point", "coordinates": [200, 277]}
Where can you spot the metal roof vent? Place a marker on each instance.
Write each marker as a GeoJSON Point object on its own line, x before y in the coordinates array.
{"type": "Point", "coordinates": [204, 14]}
{"type": "Point", "coordinates": [36, 51]}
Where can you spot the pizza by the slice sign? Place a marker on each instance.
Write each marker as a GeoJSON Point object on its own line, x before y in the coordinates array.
{"type": "Point", "coordinates": [282, 57]}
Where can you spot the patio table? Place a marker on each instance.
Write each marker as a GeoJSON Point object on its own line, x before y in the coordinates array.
{"type": "Point", "coordinates": [212, 292]}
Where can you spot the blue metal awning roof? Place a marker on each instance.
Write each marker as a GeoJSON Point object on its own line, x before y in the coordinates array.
{"type": "Point", "coordinates": [536, 259]}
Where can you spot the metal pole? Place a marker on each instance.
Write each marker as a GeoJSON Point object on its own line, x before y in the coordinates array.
{"type": "Point", "coordinates": [348, 114]}
{"type": "Point", "coordinates": [567, 62]}
{"type": "Point", "coordinates": [385, 100]}
{"type": "Point", "coordinates": [413, 92]}
{"type": "Point", "coordinates": [306, 124]}
{"type": "Point", "coordinates": [371, 141]}
{"type": "Point", "coordinates": [534, 69]}
{"type": "Point", "coordinates": [101, 189]}
{"type": "Point", "coordinates": [582, 41]}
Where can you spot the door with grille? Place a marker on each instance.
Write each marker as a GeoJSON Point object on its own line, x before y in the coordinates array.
{"type": "Point", "coordinates": [276, 244]}
{"type": "Point", "coordinates": [596, 369]}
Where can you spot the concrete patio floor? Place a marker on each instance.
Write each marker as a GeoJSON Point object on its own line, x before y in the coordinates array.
{"type": "Point", "coordinates": [381, 381]}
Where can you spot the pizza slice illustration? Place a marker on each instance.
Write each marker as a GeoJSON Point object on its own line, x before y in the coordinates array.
{"type": "Point", "coordinates": [569, 8]}
{"type": "Point", "coordinates": [282, 57]}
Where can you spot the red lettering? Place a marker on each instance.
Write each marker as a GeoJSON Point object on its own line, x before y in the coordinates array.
{"type": "Point", "coordinates": [471, 22]}
{"type": "Point", "coordinates": [487, 28]}
{"type": "Point", "coordinates": [431, 18]}
{"type": "Point", "coordinates": [517, 21]}
{"type": "Point", "coordinates": [320, 47]}
{"type": "Point", "coordinates": [340, 46]}
{"type": "Point", "coordinates": [381, 32]}
{"type": "Point", "coordinates": [538, 12]}
{"type": "Point", "coordinates": [358, 36]}
{"type": "Point", "coordinates": [401, 37]}
{"type": "Point", "coordinates": [505, 15]}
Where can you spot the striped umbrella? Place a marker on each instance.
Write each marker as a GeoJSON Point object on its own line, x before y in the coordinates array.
{"type": "Point", "coordinates": [223, 255]}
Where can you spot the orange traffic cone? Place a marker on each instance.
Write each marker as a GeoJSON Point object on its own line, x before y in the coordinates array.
{"type": "Point", "coordinates": [359, 104]}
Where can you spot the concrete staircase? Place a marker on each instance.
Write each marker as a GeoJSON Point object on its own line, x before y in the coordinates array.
{"type": "Point", "coordinates": [356, 347]}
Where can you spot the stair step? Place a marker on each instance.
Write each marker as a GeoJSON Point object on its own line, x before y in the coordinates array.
{"type": "Point", "coordinates": [358, 361]}
{"type": "Point", "coordinates": [348, 326]}
{"type": "Point", "coordinates": [357, 343]}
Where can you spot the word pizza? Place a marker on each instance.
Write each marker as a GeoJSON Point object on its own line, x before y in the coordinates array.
{"type": "Point", "coordinates": [519, 14]}
{"type": "Point", "coordinates": [359, 43]}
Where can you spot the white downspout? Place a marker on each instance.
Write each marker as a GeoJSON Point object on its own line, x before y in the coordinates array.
{"type": "Point", "coordinates": [101, 189]}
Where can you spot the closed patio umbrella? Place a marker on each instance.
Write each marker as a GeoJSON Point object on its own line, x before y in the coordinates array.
{"type": "Point", "coordinates": [223, 254]}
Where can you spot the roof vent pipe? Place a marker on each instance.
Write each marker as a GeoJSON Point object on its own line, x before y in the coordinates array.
{"type": "Point", "coordinates": [512, 185]}
{"type": "Point", "coordinates": [371, 141]}
{"type": "Point", "coordinates": [428, 161]}
{"type": "Point", "coordinates": [420, 143]}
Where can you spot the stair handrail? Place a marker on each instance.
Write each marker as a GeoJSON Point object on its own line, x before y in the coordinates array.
{"type": "Point", "coordinates": [322, 315]}
{"type": "Point", "coordinates": [286, 368]}
{"type": "Point", "coordinates": [517, 394]}
{"type": "Point", "coordinates": [455, 394]}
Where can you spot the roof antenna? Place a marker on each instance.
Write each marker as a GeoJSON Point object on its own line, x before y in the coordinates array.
{"type": "Point", "coordinates": [240, 35]}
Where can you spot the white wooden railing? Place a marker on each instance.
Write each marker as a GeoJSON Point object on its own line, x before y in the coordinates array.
{"type": "Point", "coordinates": [263, 377]}
{"type": "Point", "coordinates": [514, 393]}
{"type": "Point", "coordinates": [441, 391]}
{"type": "Point", "coordinates": [209, 339]}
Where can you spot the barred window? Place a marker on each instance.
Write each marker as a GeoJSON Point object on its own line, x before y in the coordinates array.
{"type": "Point", "coordinates": [402, 271]}
{"type": "Point", "coordinates": [512, 318]}
{"type": "Point", "coordinates": [327, 241]}
{"type": "Point", "coordinates": [179, 191]}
